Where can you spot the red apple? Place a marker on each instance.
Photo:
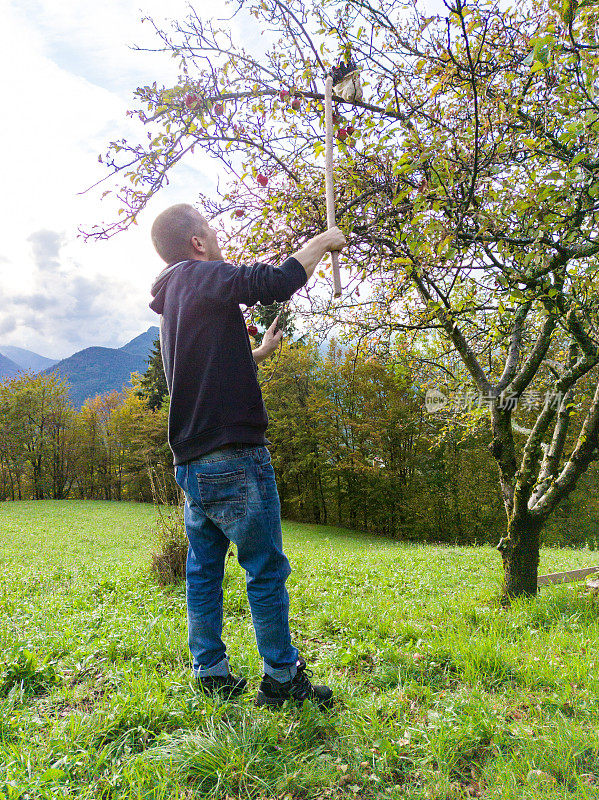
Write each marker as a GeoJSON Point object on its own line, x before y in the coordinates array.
{"type": "Point", "coordinates": [239, 212]}
{"type": "Point", "coordinates": [283, 94]}
{"type": "Point", "coordinates": [191, 100]}
{"type": "Point", "coordinates": [296, 104]}
{"type": "Point", "coordinates": [262, 179]}
{"type": "Point", "coordinates": [252, 330]}
{"type": "Point", "coordinates": [219, 109]}
{"type": "Point", "coordinates": [342, 133]}
{"type": "Point", "coordinates": [350, 129]}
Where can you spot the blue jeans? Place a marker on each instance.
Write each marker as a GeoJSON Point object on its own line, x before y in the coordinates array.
{"type": "Point", "coordinates": [231, 496]}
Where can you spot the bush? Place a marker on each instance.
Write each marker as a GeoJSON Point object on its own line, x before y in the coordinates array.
{"type": "Point", "coordinates": [168, 562]}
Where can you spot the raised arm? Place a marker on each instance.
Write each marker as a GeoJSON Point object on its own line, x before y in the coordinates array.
{"type": "Point", "coordinates": [265, 283]}
{"type": "Point", "coordinates": [314, 250]}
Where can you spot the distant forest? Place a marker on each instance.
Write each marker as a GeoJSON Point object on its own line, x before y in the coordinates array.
{"type": "Point", "coordinates": [351, 440]}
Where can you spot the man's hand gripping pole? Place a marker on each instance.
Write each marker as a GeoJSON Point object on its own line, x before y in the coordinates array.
{"type": "Point", "coordinates": [330, 192]}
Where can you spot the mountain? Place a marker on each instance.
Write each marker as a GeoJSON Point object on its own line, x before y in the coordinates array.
{"type": "Point", "coordinates": [142, 344]}
{"type": "Point", "coordinates": [8, 368]}
{"type": "Point", "coordinates": [26, 359]}
{"type": "Point", "coordinates": [97, 370]}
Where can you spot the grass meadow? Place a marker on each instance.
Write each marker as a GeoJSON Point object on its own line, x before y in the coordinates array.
{"type": "Point", "coordinates": [441, 694]}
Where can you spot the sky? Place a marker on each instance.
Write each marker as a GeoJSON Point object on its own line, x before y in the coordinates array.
{"type": "Point", "coordinates": [68, 76]}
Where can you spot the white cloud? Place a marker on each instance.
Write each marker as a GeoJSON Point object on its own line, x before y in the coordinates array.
{"type": "Point", "coordinates": [66, 308]}
{"type": "Point", "coordinates": [95, 41]}
{"type": "Point", "coordinates": [69, 76]}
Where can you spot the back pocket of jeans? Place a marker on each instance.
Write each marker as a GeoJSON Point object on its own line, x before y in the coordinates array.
{"type": "Point", "coordinates": [224, 496]}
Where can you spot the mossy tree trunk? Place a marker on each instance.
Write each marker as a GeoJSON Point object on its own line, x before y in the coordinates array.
{"type": "Point", "coordinates": [520, 555]}
{"type": "Point", "coordinates": [543, 479]}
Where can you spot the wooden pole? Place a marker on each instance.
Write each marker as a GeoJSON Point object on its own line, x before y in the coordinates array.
{"type": "Point", "coordinates": [330, 192]}
{"type": "Point", "coordinates": [566, 577]}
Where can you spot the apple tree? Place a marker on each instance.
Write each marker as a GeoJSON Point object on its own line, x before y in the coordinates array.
{"type": "Point", "coordinates": [467, 178]}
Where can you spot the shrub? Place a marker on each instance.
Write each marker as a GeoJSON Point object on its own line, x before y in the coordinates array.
{"type": "Point", "coordinates": [168, 561]}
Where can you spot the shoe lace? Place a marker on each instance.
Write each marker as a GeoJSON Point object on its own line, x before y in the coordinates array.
{"type": "Point", "coordinates": [302, 682]}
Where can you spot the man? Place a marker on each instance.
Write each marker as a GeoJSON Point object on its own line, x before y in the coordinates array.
{"type": "Point", "coordinates": [216, 430]}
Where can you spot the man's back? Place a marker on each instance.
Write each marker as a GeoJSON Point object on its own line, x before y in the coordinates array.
{"type": "Point", "coordinates": [215, 398]}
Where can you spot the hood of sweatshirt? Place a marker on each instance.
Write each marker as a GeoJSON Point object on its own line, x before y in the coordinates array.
{"type": "Point", "coordinates": [159, 287]}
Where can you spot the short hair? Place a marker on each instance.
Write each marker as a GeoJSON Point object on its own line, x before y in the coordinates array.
{"type": "Point", "coordinates": [173, 229]}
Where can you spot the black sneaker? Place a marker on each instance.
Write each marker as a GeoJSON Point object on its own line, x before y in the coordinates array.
{"type": "Point", "coordinates": [226, 685]}
{"type": "Point", "coordinates": [274, 693]}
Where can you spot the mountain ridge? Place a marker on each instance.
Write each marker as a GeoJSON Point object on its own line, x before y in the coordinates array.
{"type": "Point", "coordinates": [91, 371]}
{"type": "Point", "coordinates": [27, 359]}
{"type": "Point", "coordinates": [97, 370]}
{"type": "Point", "coordinates": [142, 344]}
{"type": "Point", "coordinates": [8, 368]}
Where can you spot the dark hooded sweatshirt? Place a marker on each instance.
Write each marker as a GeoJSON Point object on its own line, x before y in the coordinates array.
{"type": "Point", "coordinates": [215, 398]}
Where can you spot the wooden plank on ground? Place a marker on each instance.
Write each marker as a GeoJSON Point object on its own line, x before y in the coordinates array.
{"type": "Point", "coordinates": [566, 577]}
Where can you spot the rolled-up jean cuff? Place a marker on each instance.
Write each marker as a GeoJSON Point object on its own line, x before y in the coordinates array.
{"type": "Point", "coordinates": [219, 670]}
{"type": "Point", "coordinates": [283, 674]}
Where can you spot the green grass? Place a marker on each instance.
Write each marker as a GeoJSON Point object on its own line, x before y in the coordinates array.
{"type": "Point", "coordinates": [441, 694]}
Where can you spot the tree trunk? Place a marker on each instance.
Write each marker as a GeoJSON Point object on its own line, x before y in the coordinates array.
{"type": "Point", "coordinates": [323, 499]}
{"type": "Point", "coordinates": [520, 553]}
{"type": "Point", "coordinates": [454, 487]}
